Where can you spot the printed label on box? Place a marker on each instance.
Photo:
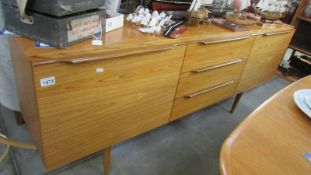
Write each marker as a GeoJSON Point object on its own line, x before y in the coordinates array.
{"type": "Point", "coordinates": [81, 28]}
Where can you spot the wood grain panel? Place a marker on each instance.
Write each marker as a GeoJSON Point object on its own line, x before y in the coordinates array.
{"type": "Point", "coordinates": [264, 60]}
{"type": "Point", "coordinates": [26, 92]}
{"type": "Point", "coordinates": [272, 140]}
{"type": "Point", "coordinates": [185, 105]}
{"type": "Point", "coordinates": [276, 42]}
{"type": "Point", "coordinates": [194, 81]}
{"type": "Point", "coordinates": [199, 55]}
{"type": "Point", "coordinates": [86, 111]}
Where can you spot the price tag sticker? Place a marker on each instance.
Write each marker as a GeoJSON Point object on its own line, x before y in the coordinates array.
{"type": "Point", "coordinates": [97, 42]}
{"type": "Point", "coordinates": [49, 81]}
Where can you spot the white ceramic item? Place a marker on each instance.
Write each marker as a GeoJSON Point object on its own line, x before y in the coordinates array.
{"type": "Point", "coordinates": [300, 99]}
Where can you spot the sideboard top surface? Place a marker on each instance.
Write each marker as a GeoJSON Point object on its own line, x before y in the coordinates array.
{"type": "Point", "coordinates": [128, 39]}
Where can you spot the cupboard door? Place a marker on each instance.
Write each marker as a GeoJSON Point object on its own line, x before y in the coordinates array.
{"type": "Point", "coordinates": [264, 59]}
{"type": "Point", "coordinates": [91, 105]}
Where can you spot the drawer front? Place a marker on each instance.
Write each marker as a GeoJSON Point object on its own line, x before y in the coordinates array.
{"type": "Point", "coordinates": [209, 76]}
{"type": "Point", "coordinates": [198, 100]}
{"type": "Point", "coordinates": [95, 104]}
{"type": "Point", "coordinates": [209, 54]}
{"type": "Point", "coordinates": [264, 59]}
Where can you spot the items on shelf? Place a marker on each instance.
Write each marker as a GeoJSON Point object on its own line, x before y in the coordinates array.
{"type": "Point", "coordinates": [302, 63]}
{"type": "Point", "coordinates": [155, 22]}
{"type": "Point", "coordinates": [218, 8]}
{"type": "Point", "coordinates": [307, 10]}
{"type": "Point", "coordinates": [198, 14]}
{"type": "Point", "coordinates": [229, 25]}
{"type": "Point", "coordinates": [257, 11]}
{"type": "Point", "coordinates": [170, 5]}
{"type": "Point", "coordinates": [297, 66]}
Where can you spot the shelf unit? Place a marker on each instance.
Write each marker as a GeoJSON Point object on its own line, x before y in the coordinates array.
{"type": "Point", "coordinates": [304, 19]}
{"type": "Point", "coordinates": [297, 48]}
{"type": "Point", "coordinates": [299, 21]}
{"type": "Point", "coordinates": [300, 41]}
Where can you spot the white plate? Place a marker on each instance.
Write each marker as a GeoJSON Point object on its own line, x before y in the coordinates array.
{"type": "Point", "coordinates": [300, 99]}
{"type": "Point", "coordinates": [308, 100]}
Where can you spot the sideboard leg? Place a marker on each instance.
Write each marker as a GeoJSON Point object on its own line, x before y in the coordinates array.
{"type": "Point", "coordinates": [19, 118]}
{"type": "Point", "coordinates": [107, 160]}
{"type": "Point", "coordinates": [236, 102]}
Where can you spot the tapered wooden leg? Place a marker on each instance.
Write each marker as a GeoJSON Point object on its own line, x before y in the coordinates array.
{"type": "Point", "coordinates": [107, 160]}
{"type": "Point", "coordinates": [236, 102]}
{"type": "Point", "coordinates": [19, 118]}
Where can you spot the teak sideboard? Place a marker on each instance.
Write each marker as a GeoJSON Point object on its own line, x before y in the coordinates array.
{"type": "Point", "coordinates": [84, 99]}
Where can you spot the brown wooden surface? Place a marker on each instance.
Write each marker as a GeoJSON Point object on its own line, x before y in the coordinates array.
{"type": "Point", "coordinates": [201, 55]}
{"type": "Point", "coordinates": [17, 144]}
{"type": "Point", "coordinates": [19, 118]}
{"type": "Point", "coordinates": [194, 81]}
{"type": "Point", "coordinates": [300, 49]}
{"type": "Point", "coordinates": [185, 105]}
{"type": "Point", "coordinates": [304, 19]}
{"type": "Point", "coordinates": [86, 111]}
{"type": "Point", "coordinates": [264, 59]}
{"type": "Point", "coordinates": [26, 91]}
{"type": "Point", "coordinates": [272, 140]}
{"type": "Point", "coordinates": [128, 39]}
{"type": "Point", "coordinates": [236, 102]}
{"type": "Point", "coordinates": [107, 160]}
{"type": "Point", "coordinates": [299, 12]}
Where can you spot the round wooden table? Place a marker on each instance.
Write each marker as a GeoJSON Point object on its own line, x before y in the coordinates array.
{"type": "Point", "coordinates": [272, 140]}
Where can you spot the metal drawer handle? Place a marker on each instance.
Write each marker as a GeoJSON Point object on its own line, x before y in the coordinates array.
{"type": "Point", "coordinates": [209, 89]}
{"type": "Point", "coordinates": [115, 55]}
{"type": "Point", "coordinates": [224, 40]}
{"type": "Point", "coordinates": [204, 69]}
{"type": "Point", "coordinates": [275, 33]}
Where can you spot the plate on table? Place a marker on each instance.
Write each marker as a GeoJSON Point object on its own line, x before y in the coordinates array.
{"type": "Point", "coordinates": [303, 100]}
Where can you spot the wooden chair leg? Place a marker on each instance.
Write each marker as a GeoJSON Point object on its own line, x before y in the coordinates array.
{"type": "Point", "coordinates": [17, 144]}
{"type": "Point", "coordinates": [107, 160]}
{"type": "Point", "coordinates": [19, 118]}
{"type": "Point", "coordinates": [236, 102]}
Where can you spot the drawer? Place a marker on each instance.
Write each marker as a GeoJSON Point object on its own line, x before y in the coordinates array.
{"type": "Point", "coordinates": [200, 99]}
{"type": "Point", "coordinates": [211, 53]}
{"type": "Point", "coordinates": [209, 76]}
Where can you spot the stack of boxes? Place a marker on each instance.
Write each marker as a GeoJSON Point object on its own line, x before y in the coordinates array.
{"type": "Point", "coordinates": [59, 23]}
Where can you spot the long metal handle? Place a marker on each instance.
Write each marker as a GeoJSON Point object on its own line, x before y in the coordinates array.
{"type": "Point", "coordinates": [224, 40]}
{"type": "Point", "coordinates": [209, 89]}
{"type": "Point", "coordinates": [115, 55]}
{"type": "Point", "coordinates": [275, 33]}
{"type": "Point", "coordinates": [204, 69]}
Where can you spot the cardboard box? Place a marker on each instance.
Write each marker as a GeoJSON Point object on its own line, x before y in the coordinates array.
{"type": "Point", "coordinates": [115, 21]}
